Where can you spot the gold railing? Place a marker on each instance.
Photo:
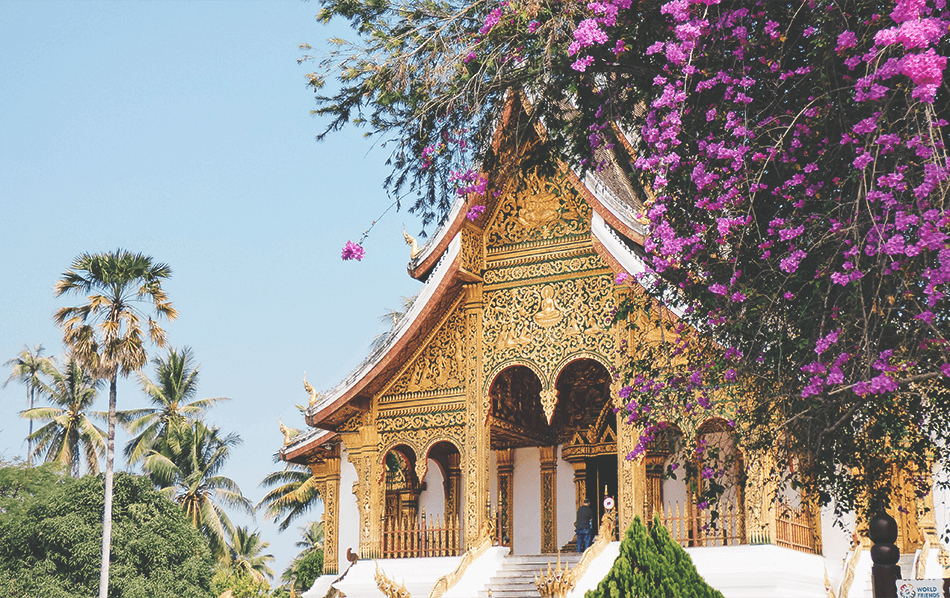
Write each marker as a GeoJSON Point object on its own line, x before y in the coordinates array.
{"type": "Point", "coordinates": [793, 529]}
{"type": "Point", "coordinates": [691, 526]}
{"type": "Point", "coordinates": [411, 538]}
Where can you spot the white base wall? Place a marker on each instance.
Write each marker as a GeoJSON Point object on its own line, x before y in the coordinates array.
{"type": "Point", "coordinates": [349, 526]}
{"type": "Point", "coordinates": [526, 522]}
{"type": "Point", "coordinates": [566, 513]}
{"type": "Point", "coordinates": [432, 499]}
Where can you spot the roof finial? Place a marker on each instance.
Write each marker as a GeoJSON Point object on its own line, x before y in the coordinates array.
{"type": "Point", "coordinates": [411, 242]}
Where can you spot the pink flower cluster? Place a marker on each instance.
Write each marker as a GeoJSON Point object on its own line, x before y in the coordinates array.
{"type": "Point", "coordinates": [474, 212]}
{"type": "Point", "coordinates": [353, 251]}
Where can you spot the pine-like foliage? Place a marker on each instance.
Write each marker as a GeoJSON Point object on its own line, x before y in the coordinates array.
{"type": "Point", "coordinates": [652, 565]}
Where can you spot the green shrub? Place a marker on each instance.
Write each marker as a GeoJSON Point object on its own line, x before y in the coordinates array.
{"type": "Point", "coordinates": [652, 565]}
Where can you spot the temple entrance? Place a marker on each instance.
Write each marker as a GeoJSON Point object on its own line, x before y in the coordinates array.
{"type": "Point", "coordinates": [601, 481]}
{"type": "Point", "coordinates": [552, 449]}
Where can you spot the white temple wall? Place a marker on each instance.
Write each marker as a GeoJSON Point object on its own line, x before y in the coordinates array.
{"type": "Point", "coordinates": [349, 523]}
{"type": "Point", "coordinates": [835, 542]}
{"type": "Point", "coordinates": [527, 501]}
{"type": "Point", "coordinates": [432, 499]}
{"type": "Point", "coordinates": [673, 491]}
{"type": "Point", "coordinates": [942, 504]}
{"type": "Point", "coordinates": [566, 514]}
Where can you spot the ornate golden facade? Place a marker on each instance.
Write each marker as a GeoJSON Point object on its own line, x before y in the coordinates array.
{"type": "Point", "coordinates": [509, 346]}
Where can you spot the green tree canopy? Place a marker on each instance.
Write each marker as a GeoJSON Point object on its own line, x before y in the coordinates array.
{"type": "Point", "coordinates": [50, 547]}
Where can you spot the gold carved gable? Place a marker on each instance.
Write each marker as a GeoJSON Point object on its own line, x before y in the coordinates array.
{"type": "Point", "coordinates": [548, 323]}
{"type": "Point", "coordinates": [440, 365]}
{"type": "Point", "coordinates": [538, 209]}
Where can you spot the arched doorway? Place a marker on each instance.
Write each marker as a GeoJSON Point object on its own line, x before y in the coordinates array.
{"type": "Point", "coordinates": [441, 488]}
{"type": "Point", "coordinates": [516, 425]}
{"type": "Point", "coordinates": [586, 428]}
{"type": "Point", "coordinates": [402, 485]}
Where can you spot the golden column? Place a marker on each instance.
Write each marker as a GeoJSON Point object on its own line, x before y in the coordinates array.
{"type": "Point", "coordinates": [549, 499]}
{"type": "Point", "coordinates": [580, 481]}
{"type": "Point", "coordinates": [327, 478]}
{"type": "Point", "coordinates": [453, 485]}
{"type": "Point", "coordinates": [477, 438]}
{"type": "Point", "coordinates": [506, 494]}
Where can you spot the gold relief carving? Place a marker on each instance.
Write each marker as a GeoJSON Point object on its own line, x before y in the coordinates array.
{"type": "Point", "coordinates": [328, 488]}
{"type": "Point", "coordinates": [548, 403]}
{"type": "Point", "coordinates": [420, 421]}
{"type": "Point", "coordinates": [474, 455]}
{"type": "Point", "coordinates": [422, 467]}
{"type": "Point", "coordinates": [542, 265]}
{"type": "Point", "coordinates": [451, 394]}
{"type": "Point", "coordinates": [549, 314]}
{"type": "Point", "coordinates": [420, 441]}
{"type": "Point", "coordinates": [539, 209]}
{"type": "Point", "coordinates": [506, 495]}
{"type": "Point", "coordinates": [631, 478]}
{"type": "Point", "coordinates": [548, 456]}
{"type": "Point", "coordinates": [352, 423]}
{"type": "Point", "coordinates": [472, 259]}
{"type": "Point", "coordinates": [511, 332]}
{"type": "Point", "coordinates": [440, 365]}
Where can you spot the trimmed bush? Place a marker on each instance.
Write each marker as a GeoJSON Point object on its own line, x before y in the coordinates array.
{"type": "Point", "coordinates": [652, 565]}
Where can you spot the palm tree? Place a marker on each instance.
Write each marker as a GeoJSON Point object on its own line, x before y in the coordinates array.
{"type": "Point", "coordinates": [312, 537]}
{"type": "Point", "coordinates": [189, 476]}
{"type": "Point", "coordinates": [174, 404]}
{"type": "Point", "coordinates": [70, 435]}
{"type": "Point", "coordinates": [27, 367]}
{"type": "Point", "coordinates": [106, 335]}
{"type": "Point", "coordinates": [294, 495]}
{"type": "Point", "coordinates": [245, 551]}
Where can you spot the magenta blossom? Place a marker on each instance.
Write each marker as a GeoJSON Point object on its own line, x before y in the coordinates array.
{"type": "Point", "coordinates": [474, 212]}
{"type": "Point", "coordinates": [353, 251]}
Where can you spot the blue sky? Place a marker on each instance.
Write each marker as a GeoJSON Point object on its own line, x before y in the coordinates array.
{"type": "Point", "coordinates": [182, 130]}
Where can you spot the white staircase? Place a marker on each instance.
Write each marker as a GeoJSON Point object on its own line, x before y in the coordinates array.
{"type": "Point", "coordinates": [516, 577]}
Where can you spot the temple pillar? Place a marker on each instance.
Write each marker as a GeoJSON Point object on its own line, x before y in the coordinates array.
{"type": "Point", "coordinates": [327, 480]}
{"type": "Point", "coordinates": [477, 436]}
{"type": "Point", "coordinates": [362, 451]}
{"type": "Point", "coordinates": [580, 482]}
{"type": "Point", "coordinates": [548, 499]}
{"type": "Point", "coordinates": [453, 484]}
{"type": "Point", "coordinates": [506, 495]}
{"type": "Point", "coordinates": [631, 474]}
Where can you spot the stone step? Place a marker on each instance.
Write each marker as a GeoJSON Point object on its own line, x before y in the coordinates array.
{"type": "Point", "coordinates": [516, 577]}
